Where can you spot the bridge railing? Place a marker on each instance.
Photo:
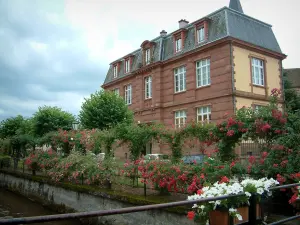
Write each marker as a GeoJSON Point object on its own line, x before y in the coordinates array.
{"type": "Point", "coordinates": [252, 211]}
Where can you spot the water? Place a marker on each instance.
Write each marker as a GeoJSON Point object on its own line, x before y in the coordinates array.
{"type": "Point", "coordinates": [14, 205]}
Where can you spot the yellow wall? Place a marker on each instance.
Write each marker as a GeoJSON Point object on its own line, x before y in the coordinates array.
{"type": "Point", "coordinates": [241, 102]}
{"type": "Point", "coordinates": [242, 71]}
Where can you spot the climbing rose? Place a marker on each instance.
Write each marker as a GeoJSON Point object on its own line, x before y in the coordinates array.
{"type": "Point", "coordinates": [266, 127]}
{"type": "Point", "coordinates": [264, 154]}
{"type": "Point", "coordinates": [224, 180]}
{"type": "Point", "coordinates": [230, 133]}
{"type": "Point", "coordinates": [191, 215]}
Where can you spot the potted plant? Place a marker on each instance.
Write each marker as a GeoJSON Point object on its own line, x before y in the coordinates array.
{"type": "Point", "coordinates": [236, 208]}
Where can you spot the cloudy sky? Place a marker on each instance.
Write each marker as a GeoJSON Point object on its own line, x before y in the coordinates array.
{"type": "Point", "coordinates": [56, 52]}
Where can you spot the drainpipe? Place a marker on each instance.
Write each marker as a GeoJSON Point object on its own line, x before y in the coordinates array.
{"type": "Point", "coordinates": [232, 78]}
{"type": "Point", "coordinates": [282, 85]}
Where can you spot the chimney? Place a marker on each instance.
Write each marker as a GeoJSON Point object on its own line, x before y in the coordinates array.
{"type": "Point", "coordinates": [183, 23]}
{"type": "Point", "coordinates": [163, 33]}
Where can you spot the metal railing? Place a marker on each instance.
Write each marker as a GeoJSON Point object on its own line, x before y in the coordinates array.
{"type": "Point", "coordinates": [252, 211]}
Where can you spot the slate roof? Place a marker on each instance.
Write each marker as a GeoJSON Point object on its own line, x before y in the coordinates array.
{"type": "Point", "coordinates": [225, 22]}
{"type": "Point", "coordinates": [293, 75]}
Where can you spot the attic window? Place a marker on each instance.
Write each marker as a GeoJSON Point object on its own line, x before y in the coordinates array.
{"type": "Point", "coordinates": [201, 30]}
{"type": "Point", "coordinates": [200, 34]}
{"type": "Point", "coordinates": [127, 65]}
{"type": "Point", "coordinates": [178, 40]}
{"type": "Point", "coordinates": [178, 45]}
{"type": "Point", "coordinates": [115, 71]}
{"type": "Point", "coordinates": [147, 56]}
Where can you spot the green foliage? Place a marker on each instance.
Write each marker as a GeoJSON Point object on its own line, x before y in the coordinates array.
{"type": "Point", "coordinates": [292, 99]}
{"type": "Point", "coordinates": [11, 126]}
{"type": "Point", "coordinates": [86, 169]}
{"type": "Point", "coordinates": [5, 146]}
{"type": "Point", "coordinates": [137, 136]}
{"type": "Point", "coordinates": [48, 119]}
{"type": "Point", "coordinates": [4, 161]}
{"type": "Point", "coordinates": [104, 139]}
{"type": "Point", "coordinates": [104, 110]}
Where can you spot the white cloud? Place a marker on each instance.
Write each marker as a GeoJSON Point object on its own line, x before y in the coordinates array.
{"type": "Point", "coordinates": [74, 41]}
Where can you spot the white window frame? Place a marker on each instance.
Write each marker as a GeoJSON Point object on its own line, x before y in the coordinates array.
{"type": "Point", "coordinates": [258, 72]}
{"type": "Point", "coordinates": [200, 34]}
{"type": "Point", "coordinates": [127, 65]}
{"type": "Point", "coordinates": [178, 45]}
{"type": "Point", "coordinates": [115, 71]}
{"type": "Point", "coordinates": [147, 56]}
{"type": "Point", "coordinates": [204, 114]}
{"type": "Point", "coordinates": [148, 87]}
{"type": "Point", "coordinates": [180, 118]}
{"type": "Point", "coordinates": [180, 79]}
{"type": "Point", "coordinates": [128, 94]}
{"type": "Point", "coordinates": [117, 91]}
{"type": "Point", "coordinates": [203, 72]}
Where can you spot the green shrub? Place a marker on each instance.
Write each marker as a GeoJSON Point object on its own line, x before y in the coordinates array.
{"type": "Point", "coordinates": [4, 161]}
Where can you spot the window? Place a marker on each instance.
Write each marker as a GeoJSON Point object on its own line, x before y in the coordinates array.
{"type": "Point", "coordinates": [127, 65]}
{"type": "Point", "coordinates": [204, 114]}
{"type": "Point", "coordinates": [115, 71]}
{"type": "Point", "coordinates": [258, 76]}
{"type": "Point", "coordinates": [203, 72]}
{"type": "Point", "coordinates": [148, 87]}
{"type": "Point", "coordinates": [258, 107]}
{"type": "Point", "coordinates": [180, 118]}
{"type": "Point", "coordinates": [179, 75]}
{"type": "Point", "coordinates": [128, 94]}
{"type": "Point", "coordinates": [147, 56]}
{"type": "Point", "coordinates": [178, 45]}
{"type": "Point", "coordinates": [116, 91]}
{"type": "Point", "coordinates": [200, 34]}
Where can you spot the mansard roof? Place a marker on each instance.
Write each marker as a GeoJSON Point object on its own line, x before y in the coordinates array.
{"type": "Point", "coordinates": [223, 23]}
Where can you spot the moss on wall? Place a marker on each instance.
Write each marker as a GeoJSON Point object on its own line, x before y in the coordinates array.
{"type": "Point", "coordinates": [93, 190]}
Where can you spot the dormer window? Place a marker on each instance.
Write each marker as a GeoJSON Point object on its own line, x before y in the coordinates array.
{"type": "Point", "coordinates": [147, 48]}
{"type": "Point", "coordinates": [178, 40]}
{"type": "Point", "coordinates": [115, 71]}
{"type": "Point", "coordinates": [200, 34]}
{"type": "Point", "coordinates": [178, 45]}
{"type": "Point", "coordinates": [127, 65]}
{"type": "Point", "coordinates": [201, 30]}
{"type": "Point", "coordinates": [147, 56]}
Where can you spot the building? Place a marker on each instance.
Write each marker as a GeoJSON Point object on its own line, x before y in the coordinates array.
{"type": "Point", "coordinates": [293, 76]}
{"type": "Point", "coordinates": [215, 65]}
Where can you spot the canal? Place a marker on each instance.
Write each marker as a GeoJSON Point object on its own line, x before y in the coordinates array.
{"type": "Point", "coordinates": [14, 205]}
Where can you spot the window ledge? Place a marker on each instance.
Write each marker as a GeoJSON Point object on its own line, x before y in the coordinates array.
{"type": "Point", "coordinates": [259, 86]}
{"type": "Point", "coordinates": [201, 43]}
{"type": "Point", "coordinates": [206, 86]}
{"type": "Point", "coordinates": [180, 92]}
{"type": "Point", "coordinates": [146, 99]}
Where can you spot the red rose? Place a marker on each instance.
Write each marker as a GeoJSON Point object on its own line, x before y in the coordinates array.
{"type": "Point", "coordinates": [191, 215]}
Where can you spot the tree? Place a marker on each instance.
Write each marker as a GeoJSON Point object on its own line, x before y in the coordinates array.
{"type": "Point", "coordinates": [104, 109]}
{"type": "Point", "coordinates": [48, 119]}
{"type": "Point", "coordinates": [292, 99]}
{"type": "Point", "coordinates": [10, 126]}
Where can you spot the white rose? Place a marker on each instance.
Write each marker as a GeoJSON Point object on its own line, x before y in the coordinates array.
{"type": "Point", "coordinates": [239, 217]}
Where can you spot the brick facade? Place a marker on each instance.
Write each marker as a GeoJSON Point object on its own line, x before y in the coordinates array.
{"type": "Point", "coordinates": [164, 101]}
{"type": "Point", "coordinates": [227, 49]}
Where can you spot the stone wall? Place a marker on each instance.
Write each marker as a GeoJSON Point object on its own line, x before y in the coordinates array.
{"type": "Point", "coordinates": [78, 201]}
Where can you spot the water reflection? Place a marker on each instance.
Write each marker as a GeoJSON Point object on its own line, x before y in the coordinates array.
{"type": "Point", "coordinates": [13, 205]}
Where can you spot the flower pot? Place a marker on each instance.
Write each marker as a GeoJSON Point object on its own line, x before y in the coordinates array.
{"type": "Point", "coordinates": [222, 217]}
